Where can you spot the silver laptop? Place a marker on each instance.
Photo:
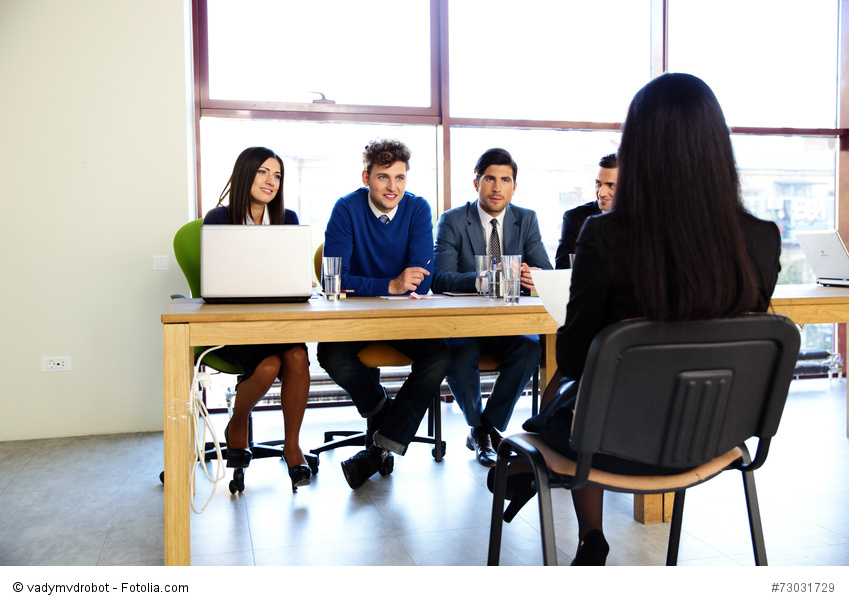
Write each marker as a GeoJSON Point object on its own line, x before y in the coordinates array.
{"type": "Point", "coordinates": [255, 264]}
{"type": "Point", "coordinates": [827, 256]}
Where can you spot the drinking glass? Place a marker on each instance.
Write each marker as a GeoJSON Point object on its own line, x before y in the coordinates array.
{"type": "Point", "coordinates": [331, 269]}
{"type": "Point", "coordinates": [482, 263]}
{"type": "Point", "coordinates": [511, 277]}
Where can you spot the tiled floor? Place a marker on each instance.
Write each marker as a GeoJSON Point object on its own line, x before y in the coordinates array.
{"type": "Point", "coordinates": [97, 500]}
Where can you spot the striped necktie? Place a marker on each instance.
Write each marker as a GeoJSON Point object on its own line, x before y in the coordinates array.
{"type": "Point", "coordinates": [383, 219]}
{"type": "Point", "coordinates": [494, 243]}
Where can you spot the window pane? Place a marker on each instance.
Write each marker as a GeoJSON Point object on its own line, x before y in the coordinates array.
{"type": "Point", "coordinates": [770, 62]}
{"type": "Point", "coordinates": [322, 161]}
{"type": "Point", "coordinates": [276, 50]}
{"type": "Point", "coordinates": [557, 169]}
{"type": "Point", "coordinates": [574, 60]}
{"type": "Point", "coordinates": [789, 180]}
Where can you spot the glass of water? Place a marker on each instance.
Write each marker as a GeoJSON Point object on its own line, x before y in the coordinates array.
{"type": "Point", "coordinates": [482, 263]}
{"type": "Point", "coordinates": [511, 277]}
{"type": "Point", "coordinates": [331, 270]}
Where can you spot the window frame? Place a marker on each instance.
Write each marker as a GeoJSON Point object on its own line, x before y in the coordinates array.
{"type": "Point", "coordinates": [438, 113]}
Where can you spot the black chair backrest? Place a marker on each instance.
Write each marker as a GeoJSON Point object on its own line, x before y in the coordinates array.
{"type": "Point", "coordinates": [679, 394]}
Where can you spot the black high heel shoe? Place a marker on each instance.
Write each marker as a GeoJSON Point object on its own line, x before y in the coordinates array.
{"type": "Point", "coordinates": [520, 490]}
{"type": "Point", "coordinates": [299, 474]}
{"type": "Point", "coordinates": [593, 550]}
{"type": "Point", "coordinates": [238, 458]}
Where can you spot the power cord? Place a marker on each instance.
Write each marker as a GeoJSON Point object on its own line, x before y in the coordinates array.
{"type": "Point", "coordinates": [199, 413]}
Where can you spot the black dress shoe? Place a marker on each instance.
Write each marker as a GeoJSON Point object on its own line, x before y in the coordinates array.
{"type": "Point", "coordinates": [520, 490]}
{"type": "Point", "coordinates": [593, 550]}
{"type": "Point", "coordinates": [374, 422]}
{"type": "Point", "coordinates": [480, 441]}
{"type": "Point", "coordinates": [363, 465]}
{"type": "Point", "coordinates": [496, 437]}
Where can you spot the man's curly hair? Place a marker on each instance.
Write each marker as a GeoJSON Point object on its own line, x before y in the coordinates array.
{"type": "Point", "coordinates": [385, 152]}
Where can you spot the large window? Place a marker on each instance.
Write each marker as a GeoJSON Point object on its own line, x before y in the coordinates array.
{"type": "Point", "coordinates": [548, 81]}
{"type": "Point", "coordinates": [322, 161]}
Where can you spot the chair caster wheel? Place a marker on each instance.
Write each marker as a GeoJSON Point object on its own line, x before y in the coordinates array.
{"type": "Point", "coordinates": [388, 465]}
{"type": "Point", "coordinates": [237, 484]}
{"type": "Point", "coordinates": [433, 452]}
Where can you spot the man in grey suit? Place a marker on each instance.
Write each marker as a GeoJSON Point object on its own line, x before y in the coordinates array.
{"type": "Point", "coordinates": [489, 225]}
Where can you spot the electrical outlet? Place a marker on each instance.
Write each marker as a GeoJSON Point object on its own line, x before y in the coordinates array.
{"type": "Point", "coordinates": [160, 262]}
{"type": "Point", "coordinates": [56, 364]}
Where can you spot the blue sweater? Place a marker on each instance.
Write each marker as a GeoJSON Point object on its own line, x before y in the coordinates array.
{"type": "Point", "coordinates": [373, 254]}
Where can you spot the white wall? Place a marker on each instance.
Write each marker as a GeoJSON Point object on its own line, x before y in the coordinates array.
{"type": "Point", "coordinates": [95, 178]}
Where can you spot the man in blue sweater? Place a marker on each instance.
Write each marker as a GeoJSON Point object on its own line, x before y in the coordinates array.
{"type": "Point", "coordinates": [384, 236]}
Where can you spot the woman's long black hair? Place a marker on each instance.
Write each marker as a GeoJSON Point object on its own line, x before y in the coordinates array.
{"type": "Point", "coordinates": [679, 192]}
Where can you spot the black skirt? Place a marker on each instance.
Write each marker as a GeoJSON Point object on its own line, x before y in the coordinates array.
{"type": "Point", "coordinates": [248, 357]}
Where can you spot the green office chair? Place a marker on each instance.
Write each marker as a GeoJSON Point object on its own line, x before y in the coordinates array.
{"type": "Point", "coordinates": [187, 253]}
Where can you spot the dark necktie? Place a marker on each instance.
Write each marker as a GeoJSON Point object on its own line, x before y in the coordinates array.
{"type": "Point", "coordinates": [383, 219]}
{"type": "Point", "coordinates": [494, 243]}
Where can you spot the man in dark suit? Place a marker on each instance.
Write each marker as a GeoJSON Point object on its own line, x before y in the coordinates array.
{"type": "Point", "coordinates": [489, 225]}
{"type": "Point", "coordinates": [573, 220]}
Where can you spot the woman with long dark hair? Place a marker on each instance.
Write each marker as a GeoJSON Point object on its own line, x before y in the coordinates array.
{"type": "Point", "coordinates": [679, 246]}
{"type": "Point", "coordinates": [255, 197]}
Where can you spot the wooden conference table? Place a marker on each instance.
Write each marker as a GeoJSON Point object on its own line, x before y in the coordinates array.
{"type": "Point", "coordinates": [190, 322]}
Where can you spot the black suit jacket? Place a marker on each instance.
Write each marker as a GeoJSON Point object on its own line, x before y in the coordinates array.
{"type": "Point", "coordinates": [573, 221]}
{"type": "Point", "coordinates": [602, 291]}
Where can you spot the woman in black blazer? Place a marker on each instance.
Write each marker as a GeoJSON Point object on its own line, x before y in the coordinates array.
{"type": "Point", "coordinates": [679, 246]}
{"type": "Point", "coordinates": [255, 196]}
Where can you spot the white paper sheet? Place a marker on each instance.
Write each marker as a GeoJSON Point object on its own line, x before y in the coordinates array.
{"type": "Point", "coordinates": [552, 285]}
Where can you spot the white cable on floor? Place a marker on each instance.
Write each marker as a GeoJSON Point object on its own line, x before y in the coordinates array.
{"type": "Point", "coordinates": [199, 412]}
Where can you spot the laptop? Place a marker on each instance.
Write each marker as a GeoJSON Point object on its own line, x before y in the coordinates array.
{"type": "Point", "coordinates": [255, 263]}
{"type": "Point", "coordinates": [827, 256]}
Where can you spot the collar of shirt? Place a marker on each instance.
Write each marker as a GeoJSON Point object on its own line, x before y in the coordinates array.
{"type": "Point", "coordinates": [486, 223]}
{"type": "Point", "coordinates": [266, 220]}
{"type": "Point", "coordinates": [377, 212]}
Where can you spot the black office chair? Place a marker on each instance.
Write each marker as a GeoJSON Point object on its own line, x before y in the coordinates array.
{"type": "Point", "coordinates": [676, 395]}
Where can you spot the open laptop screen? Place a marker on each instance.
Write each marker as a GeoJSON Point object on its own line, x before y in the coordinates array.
{"type": "Point", "coordinates": [255, 263]}
{"type": "Point", "coordinates": [827, 256]}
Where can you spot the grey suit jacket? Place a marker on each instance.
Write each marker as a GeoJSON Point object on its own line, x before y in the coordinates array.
{"type": "Point", "coordinates": [459, 237]}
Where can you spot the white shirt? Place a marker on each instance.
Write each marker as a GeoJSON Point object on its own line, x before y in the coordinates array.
{"type": "Point", "coordinates": [378, 213]}
{"type": "Point", "coordinates": [266, 220]}
{"type": "Point", "coordinates": [486, 223]}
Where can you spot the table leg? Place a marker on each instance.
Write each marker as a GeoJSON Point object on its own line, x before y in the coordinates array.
{"type": "Point", "coordinates": [653, 508]}
{"type": "Point", "coordinates": [177, 368]}
{"type": "Point", "coordinates": [549, 360]}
